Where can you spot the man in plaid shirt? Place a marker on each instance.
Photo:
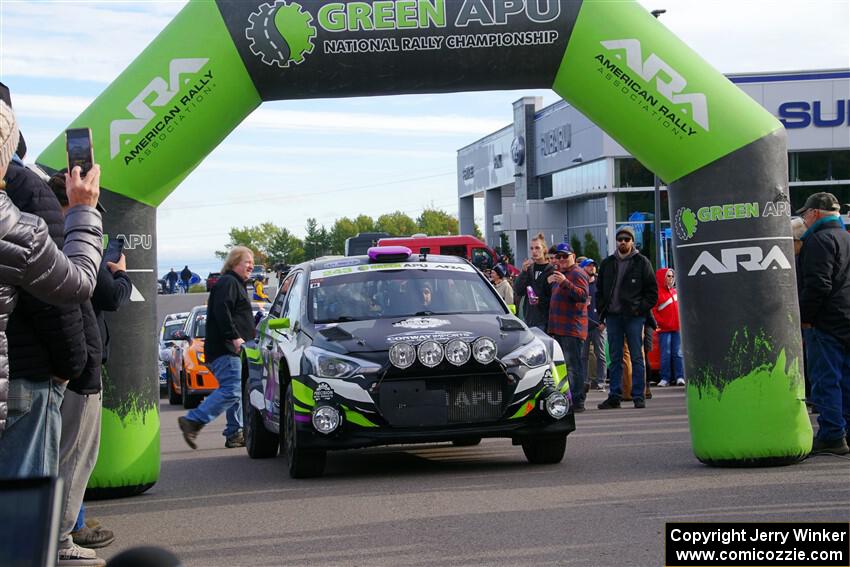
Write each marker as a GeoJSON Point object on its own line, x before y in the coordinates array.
{"type": "Point", "coordinates": [568, 317]}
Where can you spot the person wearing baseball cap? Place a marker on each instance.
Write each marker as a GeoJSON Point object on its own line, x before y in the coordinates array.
{"type": "Point", "coordinates": [568, 316]}
{"type": "Point", "coordinates": [825, 319]}
{"type": "Point", "coordinates": [626, 291]}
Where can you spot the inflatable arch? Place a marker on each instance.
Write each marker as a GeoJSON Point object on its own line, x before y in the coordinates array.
{"type": "Point", "coordinates": [717, 149]}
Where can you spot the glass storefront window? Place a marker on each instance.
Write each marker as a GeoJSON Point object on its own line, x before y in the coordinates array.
{"type": "Point", "coordinates": [819, 166]}
{"type": "Point", "coordinates": [800, 194]}
{"type": "Point", "coordinates": [580, 179]}
{"type": "Point", "coordinates": [629, 204]}
{"type": "Point", "coordinates": [629, 172]}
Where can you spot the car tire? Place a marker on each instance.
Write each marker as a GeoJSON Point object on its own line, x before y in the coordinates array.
{"type": "Point", "coordinates": [259, 441]}
{"type": "Point", "coordinates": [303, 463]}
{"type": "Point", "coordinates": [545, 450]}
{"type": "Point", "coordinates": [173, 398]}
{"type": "Point", "coordinates": [467, 442]}
{"type": "Point", "coordinates": [189, 401]}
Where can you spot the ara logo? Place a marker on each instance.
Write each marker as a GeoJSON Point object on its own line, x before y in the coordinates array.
{"type": "Point", "coordinates": [655, 67]}
{"type": "Point", "coordinates": [141, 111]}
{"type": "Point", "coordinates": [281, 33]}
{"type": "Point", "coordinates": [750, 258]}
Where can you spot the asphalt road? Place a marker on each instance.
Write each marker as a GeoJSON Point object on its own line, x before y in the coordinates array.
{"type": "Point", "coordinates": [626, 473]}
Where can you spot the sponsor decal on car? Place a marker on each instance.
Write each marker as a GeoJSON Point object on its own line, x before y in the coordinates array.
{"type": "Point", "coordinates": [345, 270]}
{"type": "Point", "coordinates": [439, 336]}
{"type": "Point", "coordinates": [421, 323]}
{"type": "Point", "coordinates": [323, 392]}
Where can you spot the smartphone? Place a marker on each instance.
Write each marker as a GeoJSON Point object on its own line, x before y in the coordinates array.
{"type": "Point", "coordinates": [114, 250]}
{"type": "Point", "coordinates": [79, 147]}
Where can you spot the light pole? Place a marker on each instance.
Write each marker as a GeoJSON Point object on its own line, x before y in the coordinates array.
{"type": "Point", "coordinates": [657, 223]}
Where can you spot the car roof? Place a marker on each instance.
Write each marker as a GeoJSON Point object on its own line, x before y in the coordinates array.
{"type": "Point", "coordinates": [344, 261]}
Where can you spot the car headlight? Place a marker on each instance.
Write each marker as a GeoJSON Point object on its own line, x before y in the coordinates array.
{"type": "Point", "coordinates": [557, 405]}
{"type": "Point", "coordinates": [201, 358]}
{"type": "Point", "coordinates": [532, 355]}
{"type": "Point", "coordinates": [458, 352]}
{"type": "Point", "coordinates": [484, 350]}
{"type": "Point", "coordinates": [402, 355]}
{"type": "Point", "coordinates": [332, 365]}
{"type": "Point", "coordinates": [430, 353]}
{"type": "Point", "coordinates": [326, 419]}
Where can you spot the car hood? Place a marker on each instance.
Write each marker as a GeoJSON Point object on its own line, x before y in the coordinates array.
{"type": "Point", "coordinates": [378, 335]}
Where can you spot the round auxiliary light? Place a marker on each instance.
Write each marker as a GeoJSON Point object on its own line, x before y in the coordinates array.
{"type": "Point", "coordinates": [557, 405]}
{"type": "Point", "coordinates": [326, 419]}
{"type": "Point", "coordinates": [458, 352]}
{"type": "Point", "coordinates": [430, 353]}
{"type": "Point", "coordinates": [402, 355]}
{"type": "Point", "coordinates": [484, 350]}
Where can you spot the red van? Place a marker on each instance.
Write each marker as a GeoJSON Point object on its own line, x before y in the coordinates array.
{"type": "Point", "coordinates": [465, 246]}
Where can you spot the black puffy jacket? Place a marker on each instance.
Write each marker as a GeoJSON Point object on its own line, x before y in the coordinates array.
{"type": "Point", "coordinates": [44, 340]}
{"type": "Point", "coordinates": [825, 276]}
{"type": "Point", "coordinates": [535, 315]}
{"type": "Point", "coordinates": [112, 291]}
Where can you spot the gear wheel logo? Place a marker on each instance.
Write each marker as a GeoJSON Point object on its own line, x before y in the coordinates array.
{"type": "Point", "coordinates": [281, 33]}
{"type": "Point", "coordinates": [686, 223]}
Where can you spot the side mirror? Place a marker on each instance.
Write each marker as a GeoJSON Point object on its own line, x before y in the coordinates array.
{"type": "Point", "coordinates": [512, 308]}
{"type": "Point", "coordinates": [179, 336]}
{"type": "Point", "coordinates": [279, 323]}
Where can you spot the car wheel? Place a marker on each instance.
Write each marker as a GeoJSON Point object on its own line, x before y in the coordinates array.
{"type": "Point", "coordinates": [259, 441]}
{"type": "Point", "coordinates": [189, 401]}
{"type": "Point", "coordinates": [303, 463]}
{"type": "Point", "coordinates": [467, 442]}
{"type": "Point", "coordinates": [545, 450]}
{"type": "Point", "coordinates": [173, 398]}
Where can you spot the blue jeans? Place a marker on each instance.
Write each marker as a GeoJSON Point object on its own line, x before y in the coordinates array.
{"type": "Point", "coordinates": [622, 328]}
{"type": "Point", "coordinates": [29, 446]}
{"type": "Point", "coordinates": [829, 371]}
{"type": "Point", "coordinates": [227, 398]}
{"type": "Point", "coordinates": [671, 351]}
{"type": "Point", "coordinates": [572, 356]}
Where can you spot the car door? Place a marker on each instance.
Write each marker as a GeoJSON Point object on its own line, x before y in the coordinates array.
{"type": "Point", "coordinates": [280, 344]}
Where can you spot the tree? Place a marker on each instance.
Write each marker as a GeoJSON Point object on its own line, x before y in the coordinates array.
{"type": "Point", "coordinates": [257, 238]}
{"type": "Point", "coordinates": [316, 241]}
{"type": "Point", "coordinates": [476, 232]}
{"type": "Point", "coordinates": [396, 224]}
{"type": "Point", "coordinates": [364, 223]}
{"type": "Point", "coordinates": [435, 222]}
{"type": "Point", "coordinates": [342, 229]}
{"type": "Point", "coordinates": [505, 245]}
{"type": "Point", "coordinates": [575, 244]}
{"type": "Point", "coordinates": [286, 248]}
{"type": "Point", "coordinates": [591, 247]}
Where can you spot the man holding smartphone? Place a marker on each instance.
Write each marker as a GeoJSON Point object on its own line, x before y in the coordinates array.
{"type": "Point", "coordinates": [230, 322]}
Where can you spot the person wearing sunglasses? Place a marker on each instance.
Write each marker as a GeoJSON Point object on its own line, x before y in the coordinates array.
{"type": "Point", "coordinates": [626, 291]}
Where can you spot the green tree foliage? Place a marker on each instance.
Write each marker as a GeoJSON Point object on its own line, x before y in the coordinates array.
{"type": "Point", "coordinates": [575, 243]}
{"type": "Point", "coordinates": [257, 238]}
{"type": "Point", "coordinates": [591, 247]}
{"type": "Point", "coordinates": [435, 222]}
{"type": "Point", "coordinates": [285, 248]}
{"type": "Point", "coordinates": [317, 241]}
{"type": "Point", "coordinates": [396, 224]}
{"type": "Point", "coordinates": [476, 232]}
{"type": "Point", "coordinates": [505, 245]}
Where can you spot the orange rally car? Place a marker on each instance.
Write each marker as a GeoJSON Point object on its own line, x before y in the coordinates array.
{"type": "Point", "coordinates": [189, 380]}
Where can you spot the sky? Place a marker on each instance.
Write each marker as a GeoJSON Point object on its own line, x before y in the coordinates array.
{"type": "Point", "coordinates": [329, 158]}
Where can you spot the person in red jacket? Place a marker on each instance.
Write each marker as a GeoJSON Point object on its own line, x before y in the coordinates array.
{"type": "Point", "coordinates": [666, 313]}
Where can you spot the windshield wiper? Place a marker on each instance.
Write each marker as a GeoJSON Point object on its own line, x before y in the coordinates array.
{"type": "Point", "coordinates": [342, 319]}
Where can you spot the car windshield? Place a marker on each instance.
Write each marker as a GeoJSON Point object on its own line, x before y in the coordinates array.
{"type": "Point", "coordinates": [199, 325]}
{"type": "Point", "coordinates": [399, 290]}
{"type": "Point", "coordinates": [171, 326]}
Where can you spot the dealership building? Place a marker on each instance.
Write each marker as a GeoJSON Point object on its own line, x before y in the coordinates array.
{"type": "Point", "coordinates": [556, 172]}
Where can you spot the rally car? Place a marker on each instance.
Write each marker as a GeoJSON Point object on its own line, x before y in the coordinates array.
{"type": "Point", "coordinates": [172, 322]}
{"type": "Point", "coordinates": [188, 378]}
{"type": "Point", "coordinates": [398, 348]}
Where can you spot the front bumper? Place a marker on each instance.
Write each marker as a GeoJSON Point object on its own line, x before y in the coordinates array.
{"type": "Point", "coordinates": [350, 436]}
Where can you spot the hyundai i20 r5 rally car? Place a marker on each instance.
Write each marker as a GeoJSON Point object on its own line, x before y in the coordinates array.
{"type": "Point", "coordinates": [398, 348]}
